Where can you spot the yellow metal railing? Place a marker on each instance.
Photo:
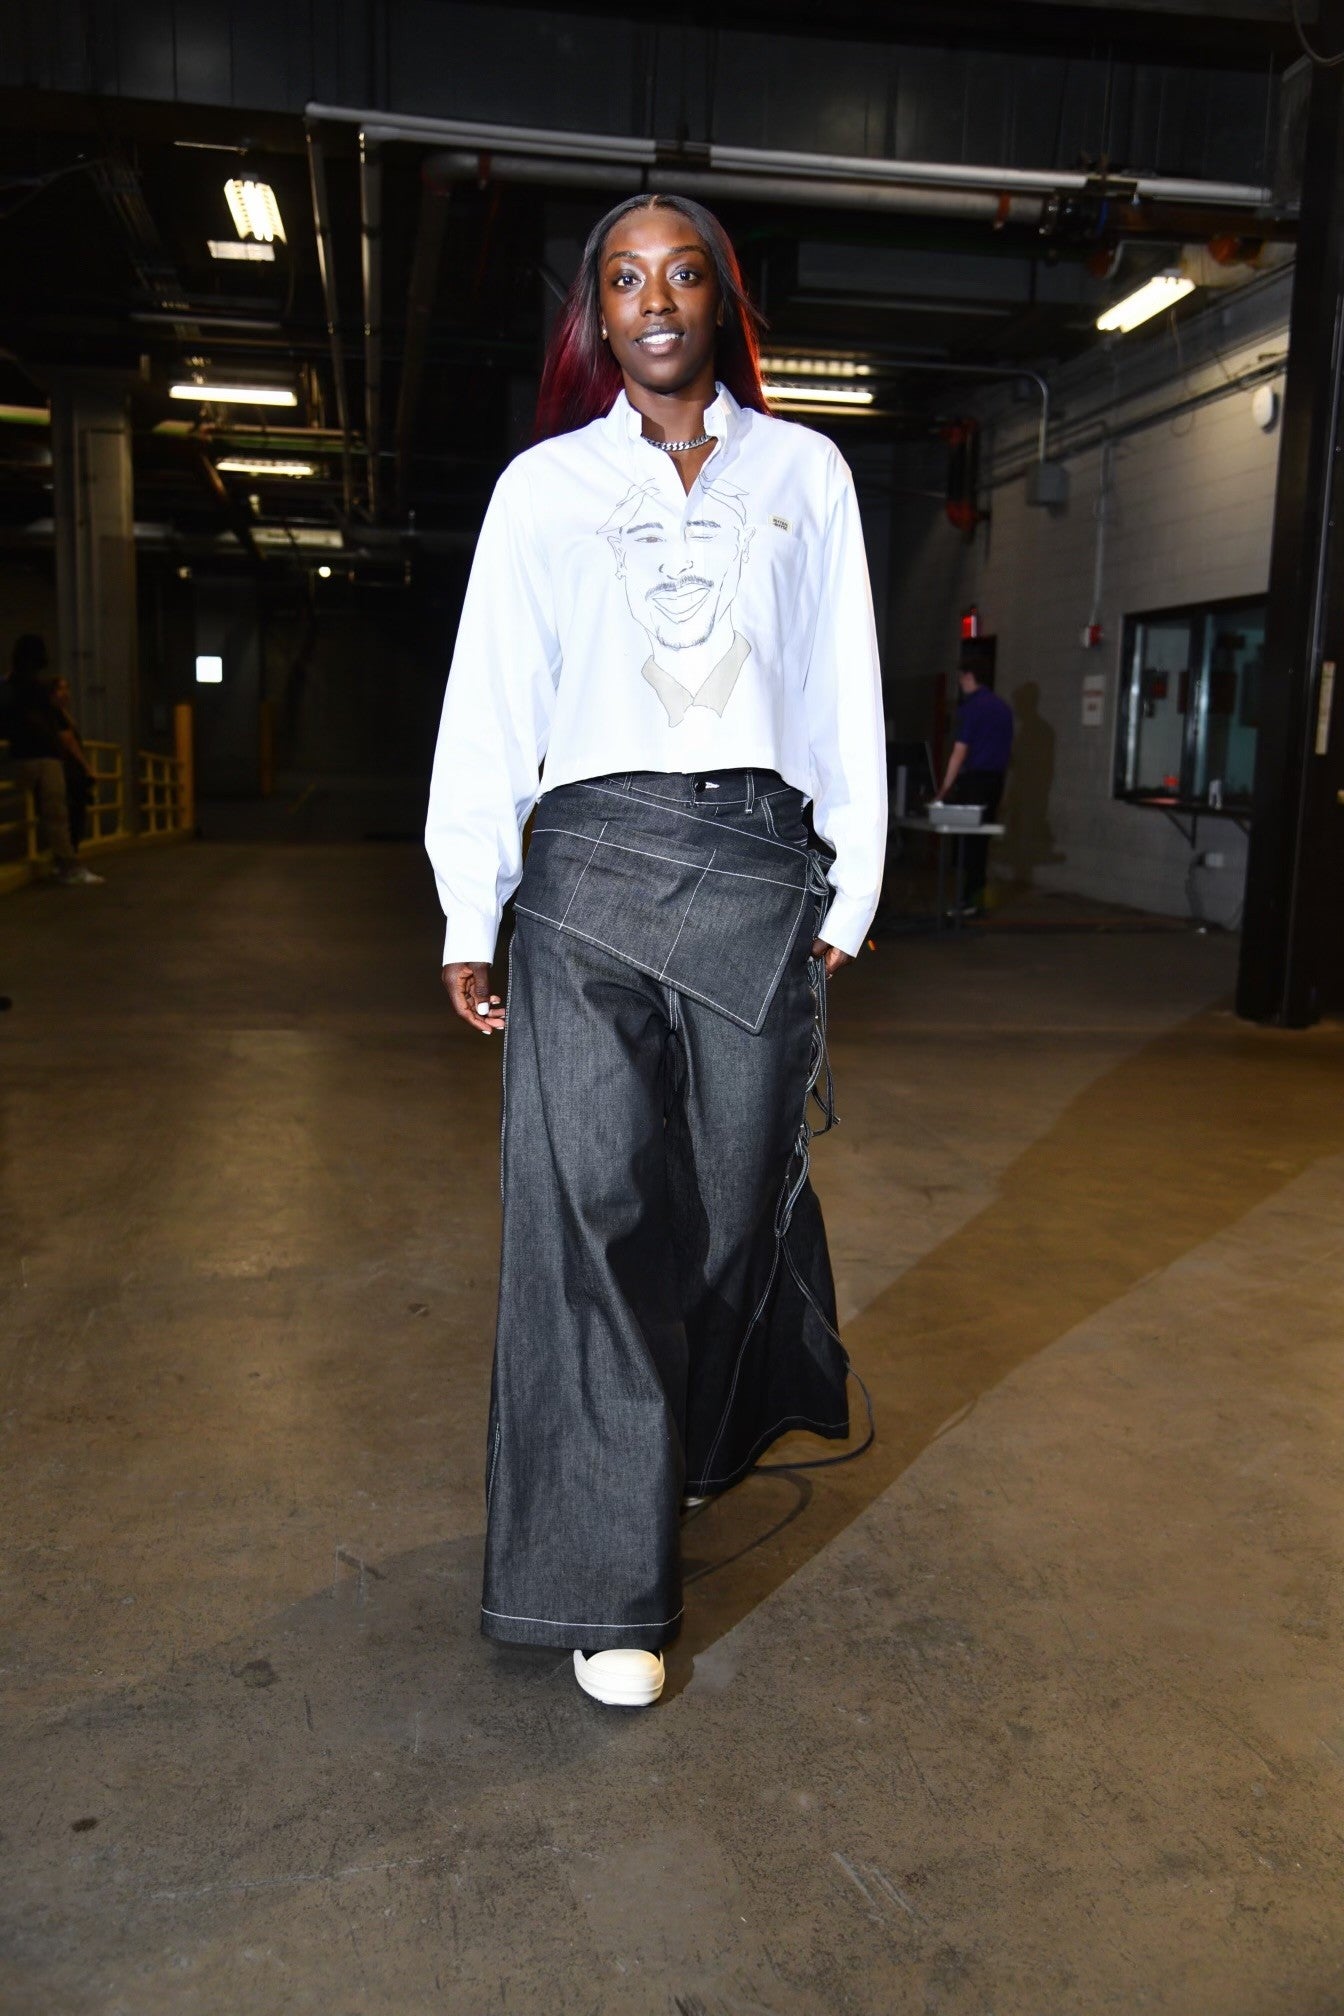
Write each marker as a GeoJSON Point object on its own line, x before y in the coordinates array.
{"type": "Point", "coordinates": [165, 803]}
{"type": "Point", "coordinates": [18, 827]}
{"type": "Point", "coordinates": [160, 795]}
{"type": "Point", "coordinates": [107, 798]}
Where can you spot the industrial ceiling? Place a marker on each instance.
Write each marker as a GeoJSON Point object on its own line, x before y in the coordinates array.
{"type": "Point", "coordinates": [916, 187]}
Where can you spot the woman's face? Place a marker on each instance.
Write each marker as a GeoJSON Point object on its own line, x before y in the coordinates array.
{"type": "Point", "coordinates": [660, 302]}
{"type": "Point", "coordinates": [60, 692]}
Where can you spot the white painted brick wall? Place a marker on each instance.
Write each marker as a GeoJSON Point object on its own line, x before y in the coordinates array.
{"type": "Point", "coordinates": [1189, 517]}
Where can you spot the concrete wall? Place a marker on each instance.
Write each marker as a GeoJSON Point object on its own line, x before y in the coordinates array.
{"type": "Point", "coordinates": [1183, 510]}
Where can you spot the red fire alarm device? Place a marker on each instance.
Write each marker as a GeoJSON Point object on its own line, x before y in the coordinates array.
{"type": "Point", "coordinates": [970, 623]}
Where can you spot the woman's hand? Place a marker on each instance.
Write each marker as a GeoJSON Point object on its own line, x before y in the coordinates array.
{"type": "Point", "coordinates": [468, 987]}
{"type": "Point", "coordinates": [832, 954]}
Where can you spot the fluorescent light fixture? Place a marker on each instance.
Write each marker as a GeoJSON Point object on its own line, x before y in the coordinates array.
{"type": "Point", "coordinates": [317, 538]}
{"type": "Point", "coordinates": [259, 465]}
{"type": "Point", "coordinates": [1162, 292]}
{"type": "Point", "coordinates": [209, 671]}
{"type": "Point", "coordinates": [236, 395]}
{"type": "Point", "coordinates": [815, 367]}
{"type": "Point", "coordinates": [254, 210]}
{"type": "Point", "coordinates": [819, 395]}
{"type": "Point", "coordinates": [232, 248]}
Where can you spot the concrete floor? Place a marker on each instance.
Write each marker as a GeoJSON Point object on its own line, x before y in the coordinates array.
{"type": "Point", "coordinates": [1034, 1711]}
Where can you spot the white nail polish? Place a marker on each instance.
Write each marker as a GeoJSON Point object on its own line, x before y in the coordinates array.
{"type": "Point", "coordinates": [482, 1007]}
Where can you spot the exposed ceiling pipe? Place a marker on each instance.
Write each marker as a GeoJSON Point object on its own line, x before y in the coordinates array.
{"type": "Point", "coordinates": [371, 265]}
{"type": "Point", "coordinates": [1004, 372]}
{"type": "Point", "coordinates": [457, 165]}
{"type": "Point", "coordinates": [239, 519]}
{"type": "Point", "coordinates": [326, 261]}
{"type": "Point", "coordinates": [759, 167]}
{"type": "Point", "coordinates": [419, 304]}
{"type": "Point", "coordinates": [956, 175]}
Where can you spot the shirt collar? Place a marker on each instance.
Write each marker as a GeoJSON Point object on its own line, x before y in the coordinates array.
{"type": "Point", "coordinates": [721, 418]}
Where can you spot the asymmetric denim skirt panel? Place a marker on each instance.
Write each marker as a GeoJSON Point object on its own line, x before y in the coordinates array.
{"type": "Point", "coordinates": [666, 1306]}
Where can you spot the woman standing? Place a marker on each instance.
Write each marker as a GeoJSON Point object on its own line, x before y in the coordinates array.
{"type": "Point", "coordinates": [669, 604]}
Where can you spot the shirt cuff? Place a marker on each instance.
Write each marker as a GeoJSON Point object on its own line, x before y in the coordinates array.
{"type": "Point", "coordinates": [470, 938]}
{"type": "Point", "coordinates": [845, 924]}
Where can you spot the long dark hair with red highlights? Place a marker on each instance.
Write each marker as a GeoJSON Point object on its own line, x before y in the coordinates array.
{"type": "Point", "coordinates": [580, 378]}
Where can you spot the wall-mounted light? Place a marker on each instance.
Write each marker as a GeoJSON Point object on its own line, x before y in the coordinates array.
{"type": "Point", "coordinates": [209, 671]}
{"type": "Point", "coordinates": [236, 395]}
{"type": "Point", "coordinates": [819, 395]}
{"type": "Point", "coordinates": [324, 573]}
{"type": "Point", "coordinates": [1164, 291]}
{"type": "Point", "coordinates": [260, 465]}
{"type": "Point", "coordinates": [1265, 408]}
{"type": "Point", "coordinates": [254, 210]}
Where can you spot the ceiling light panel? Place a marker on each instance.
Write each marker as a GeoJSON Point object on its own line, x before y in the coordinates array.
{"type": "Point", "coordinates": [233, 248]}
{"type": "Point", "coordinates": [815, 367]}
{"type": "Point", "coordinates": [235, 395]}
{"type": "Point", "coordinates": [1162, 292]}
{"type": "Point", "coordinates": [819, 395]}
{"type": "Point", "coordinates": [259, 465]}
{"type": "Point", "coordinates": [254, 210]}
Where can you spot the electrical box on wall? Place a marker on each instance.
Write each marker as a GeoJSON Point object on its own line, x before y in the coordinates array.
{"type": "Point", "coordinates": [1048, 486]}
{"type": "Point", "coordinates": [1094, 700]}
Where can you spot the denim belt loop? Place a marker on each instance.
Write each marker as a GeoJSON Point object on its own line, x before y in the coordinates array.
{"type": "Point", "coordinates": [751, 789]}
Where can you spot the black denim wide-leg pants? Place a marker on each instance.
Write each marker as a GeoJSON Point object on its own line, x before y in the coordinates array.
{"type": "Point", "coordinates": [666, 1306]}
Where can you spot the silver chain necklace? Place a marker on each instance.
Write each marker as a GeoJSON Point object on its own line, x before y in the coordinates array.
{"type": "Point", "coordinates": [678, 447]}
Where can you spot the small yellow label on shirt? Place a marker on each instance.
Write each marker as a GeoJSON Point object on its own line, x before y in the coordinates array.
{"type": "Point", "coordinates": [781, 524]}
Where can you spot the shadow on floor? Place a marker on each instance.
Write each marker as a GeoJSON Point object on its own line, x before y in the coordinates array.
{"type": "Point", "coordinates": [1170, 1147]}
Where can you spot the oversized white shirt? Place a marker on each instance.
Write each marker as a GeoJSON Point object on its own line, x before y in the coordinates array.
{"type": "Point", "coordinates": [614, 621]}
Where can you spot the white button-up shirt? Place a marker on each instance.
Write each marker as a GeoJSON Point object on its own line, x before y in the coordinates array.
{"type": "Point", "coordinates": [615, 621]}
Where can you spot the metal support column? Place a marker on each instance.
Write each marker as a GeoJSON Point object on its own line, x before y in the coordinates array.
{"type": "Point", "coordinates": [371, 246]}
{"type": "Point", "coordinates": [95, 565]}
{"type": "Point", "coordinates": [1292, 948]}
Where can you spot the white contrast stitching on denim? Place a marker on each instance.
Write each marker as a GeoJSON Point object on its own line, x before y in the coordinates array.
{"type": "Point", "coordinates": [764, 1440]}
{"type": "Point", "coordinates": [788, 948]}
{"type": "Point", "coordinates": [648, 854]}
{"type": "Point", "coordinates": [584, 870]}
{"type": "Point", "coordinates": [668, 806]}
{"type": "Point", "coordinates": [567, 1624]}
{"type": "Point", "coordinates": [752, 1028]}
{"type": "Point", "coordinates": [742, 1352]}
{"type": "Point", "coordinates": [770, 1282]}
{"type": "Point", "coordinates": [685, 915]}
{"type": "Point", "coordinates": [494, 1463]}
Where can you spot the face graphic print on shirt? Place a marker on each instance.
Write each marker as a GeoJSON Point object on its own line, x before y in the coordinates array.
{"type": "Point", "coordinates": [681, 576]}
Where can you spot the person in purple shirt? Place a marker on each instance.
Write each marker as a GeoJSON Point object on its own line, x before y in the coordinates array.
{"type": "Point", "coordinates": [975, 770]}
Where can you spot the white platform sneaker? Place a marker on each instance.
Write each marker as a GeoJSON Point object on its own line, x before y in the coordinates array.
{"type": "Point", "coordinates": [621, 1679]}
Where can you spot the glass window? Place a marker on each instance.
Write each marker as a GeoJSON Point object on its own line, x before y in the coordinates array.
{"type": "Point", "coordinates": [1189, 704]}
